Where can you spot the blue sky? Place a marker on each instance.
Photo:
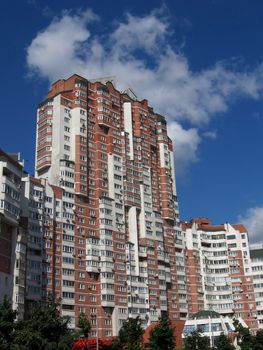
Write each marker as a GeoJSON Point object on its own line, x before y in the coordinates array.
{"type": "Point", "coordinates": [199, 63]}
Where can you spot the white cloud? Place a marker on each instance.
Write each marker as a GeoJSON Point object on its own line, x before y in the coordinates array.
{"type": "Point", "coordinates": [68, 46]}
{"type": "Point", "coordinates": [253, 220]}
{"type": "Point", "coordinates": [139, 33]}
{"type": "Point", "coordinates": [55, 51]}
{"type": "Point", "coordinates": [186, 143]}
{"type": "Point", "coordinates": [210, 134]}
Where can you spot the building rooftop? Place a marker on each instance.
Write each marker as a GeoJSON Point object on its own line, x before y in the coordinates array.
{"type": "Point", "coordinates": [256, 253]}
{"type": "Point", "coordinates": [204, 314]}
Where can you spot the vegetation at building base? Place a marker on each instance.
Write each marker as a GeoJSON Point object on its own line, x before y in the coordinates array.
{"type": "Point", "coordinates": [246, 341]}
{"type": "Point", "coordinates": [84, 325]}
{"type": "Point", "coordinates": [223, 343]}
{"type": "Point", "coordinates": [45, 329]}
{"type": "Point", "coordinates": [162, 336]}
{"type": "Point", "coordinates": [195, 341]}
{"type": "Point", "coordinates": [130, 336]}
{"type": "Point", "coordinates": [7, 318]}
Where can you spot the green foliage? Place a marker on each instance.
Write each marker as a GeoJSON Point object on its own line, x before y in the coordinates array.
{"type": "Point", "coordinates": [195, 341]}
{"type": "Point", "coordinates": [162, 336]}
{"type": "Point", "coordinates": [7, 318]}
{"type": "Point", "coordinates": [130, 335]}
{"type": "Point", "coordinates": [257, 343]}
{"type": "Point", "coordinates": [245, 339]}
{"type": "Point", "coordinates": [45, 329]}
{"type": "Point", "coordinates": [116, 345]}
{"type": "Point", "coordinates": [84, 325]}
{"type": "Point", "coordinates": [223, 343]}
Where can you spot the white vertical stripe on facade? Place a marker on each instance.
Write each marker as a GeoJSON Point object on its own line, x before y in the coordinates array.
{"type": "Point", "coordinates": [127, 111]}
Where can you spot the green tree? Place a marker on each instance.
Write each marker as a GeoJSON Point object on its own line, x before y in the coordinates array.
{"type": "Point", "coordinates": [44, 330]}
{"type": "Point", "coordinates": [223, 343]}
{"type": "Point", "coordinates": [84, 325]}
{"type": "Point", "coordinates": [196, 341]}
{"type": "Point", "coordinates": [7, 323]}
{"type": "Point", "coordinates": [116, 345]}
{"type": "Point", "coordinates": [258, 341]}
{"type": "Point", "coordinates": [130, 335]}
{"type": "Point", "coordinates": [245, 339]}
{"type": "Point", "coordinates": [162, 336]}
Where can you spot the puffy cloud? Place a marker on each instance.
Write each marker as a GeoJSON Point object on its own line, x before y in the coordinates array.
{"type": "Point", "coordinates": [253, 220]}
{"type": "Point", "coordinates": [185, 144]}
{"type": "Point", "coordinates": [56, 51]}
{"type": "Point", "coordinates": [137, 51]}
{"type": "Point", "coordinates": [145, 33]}
{"type": "Point", "coordinates": [210, 134]}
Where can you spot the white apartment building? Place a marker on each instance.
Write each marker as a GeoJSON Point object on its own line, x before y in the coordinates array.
{"type": "Point", "coordinates": [218, 270]}
{"type": "Point", "coordinates": [12, 232]}
{"type": "Point", "coordinates": [211, 324]}
{"type": "Point", "coordinates": [256, 256]}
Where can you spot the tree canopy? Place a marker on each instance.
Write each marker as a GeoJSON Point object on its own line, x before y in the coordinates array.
{"type": "Point", "coordinates": [196, 341]}
{"type": "Point", "coordinates": [7, 319]}
{"type": "Point", "coordinates": [84, 325]}
{"type": "Point", "coordinates": [245, 338]}
{"type": "Point", "coordinates": [44, 329]}
{"type": "Point", "coordinates": [130, 335]}
{"type": "Point", "coordinates": [162, 336]}
{"type": "Point", "coordinates": [223, 343]}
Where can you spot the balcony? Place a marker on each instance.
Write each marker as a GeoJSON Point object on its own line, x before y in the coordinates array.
{"type": "Point", "coordinates": [107, 303]}
{"type": "Point", "coordinates": [93, 269]}
{"type": "Point", "coordinates": [104, 121]}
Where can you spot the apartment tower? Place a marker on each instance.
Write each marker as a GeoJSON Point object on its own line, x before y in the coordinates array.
{"type": "Point", "coordinates": [12, 233]}
{"type": "Point", "coordinates": [218, 270]}
{"type": "Point", "coordinates": [256, 256]}
{"type": "Point", "coordinates": [114, 247]}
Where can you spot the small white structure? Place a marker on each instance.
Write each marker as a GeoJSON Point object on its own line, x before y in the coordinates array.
{"type": "Point", "coordinates": [211, 324]}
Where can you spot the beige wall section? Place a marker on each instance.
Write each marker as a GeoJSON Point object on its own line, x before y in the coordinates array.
{"type": "Point", "coordinates": [171, 155]}
{"type": "Point", "coordinates": [133, 235]}
{"type": "Point", "coordinates": [127, 111]}
{"type": "Point", "coordinates": [164, 155]}
{"type": "Point", "coordinates": [142, 214]}
{"type": "Point", "coordinates": [111, 176]}
{"type": "Point", "coordinates": [57, 141]}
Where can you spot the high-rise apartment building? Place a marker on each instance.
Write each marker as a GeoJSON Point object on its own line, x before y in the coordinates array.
{"type": "Point", "coordinates": [113, 245]}
{"type": "Point", "coordinates": [218, 270]}
{"type": "Point", "coordinates": [22, 234]}
{"type": "Point", "coordinates": [256, 256]}
{"type": "Point", "coordinates": [98, 228]}
{"type": "Point", "coordinates": [12, 233]}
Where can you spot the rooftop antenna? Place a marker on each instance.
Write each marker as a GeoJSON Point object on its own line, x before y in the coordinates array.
{"type": "Point", "coordinates": [130, 92]}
